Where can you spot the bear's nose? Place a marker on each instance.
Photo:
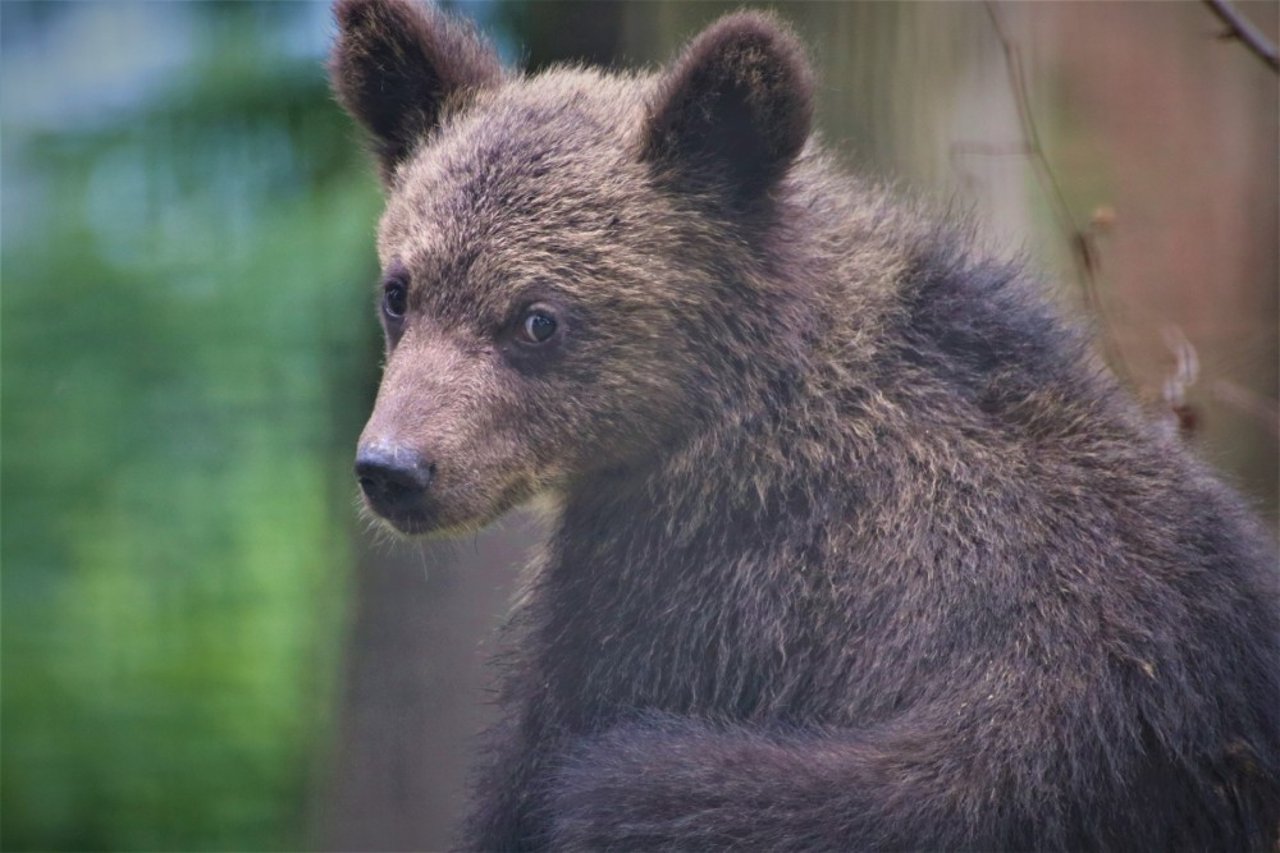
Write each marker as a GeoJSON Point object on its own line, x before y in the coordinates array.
{"type": "Point", "coordinates": [393, 478]}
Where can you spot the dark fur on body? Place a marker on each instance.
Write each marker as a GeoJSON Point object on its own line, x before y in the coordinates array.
{"type": "Point", "coordinates": [854, 544]}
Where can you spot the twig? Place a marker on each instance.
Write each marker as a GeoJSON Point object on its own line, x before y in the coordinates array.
{"type": "Point", "coordinates": [1083, 251]}
{"type": "Point", "coordinates": [1266, 412]}
{"type": "Point", "coordinates": [1239, 27]}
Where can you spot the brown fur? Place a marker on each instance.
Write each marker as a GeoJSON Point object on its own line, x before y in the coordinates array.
{"type": "Point", "coordinates": [855, 544]}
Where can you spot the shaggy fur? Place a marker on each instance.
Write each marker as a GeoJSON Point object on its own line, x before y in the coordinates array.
{"type": "Point", "coordinates": [855, 545]}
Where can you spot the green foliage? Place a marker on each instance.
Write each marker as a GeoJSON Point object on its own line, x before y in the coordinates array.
{"type": "Point", "coordinates": [185, 340]}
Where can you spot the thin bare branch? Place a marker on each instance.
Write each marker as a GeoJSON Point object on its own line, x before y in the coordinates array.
{"type": "Point", "coordinates": [1081, 241]}
{"type": "Point", "coordinates": [1265, 411]}
{"type": "Point", "coordinates": [1239, 27]}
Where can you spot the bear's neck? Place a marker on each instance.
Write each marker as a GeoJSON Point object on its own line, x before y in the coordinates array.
{"type": "Point", "coordinates": [652, 598]}
{"type": "Point", "coordinates": [668, 584]}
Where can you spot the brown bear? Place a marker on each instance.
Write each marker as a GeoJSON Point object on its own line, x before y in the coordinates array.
{"type": "Point", "coordinates": [854, 544]}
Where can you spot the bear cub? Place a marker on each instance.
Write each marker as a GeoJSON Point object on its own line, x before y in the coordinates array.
{"type": "Point", "coordinates": [854, 544]}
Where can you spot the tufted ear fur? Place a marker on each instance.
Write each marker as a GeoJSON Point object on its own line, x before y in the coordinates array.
{"type": "Point", "coordinates": [396, 64]}
{"type": "Point", "coordinates": [733, 112]}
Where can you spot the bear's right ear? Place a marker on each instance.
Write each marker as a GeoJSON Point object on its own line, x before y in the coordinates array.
{"type": "Point", "coordinates": [734, 111]}
{"type": "Point", "coordinates": [395, 64]}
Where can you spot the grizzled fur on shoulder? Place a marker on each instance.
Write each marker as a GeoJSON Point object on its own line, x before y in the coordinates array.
{"type": "Point", "coordinates": [855, 545]}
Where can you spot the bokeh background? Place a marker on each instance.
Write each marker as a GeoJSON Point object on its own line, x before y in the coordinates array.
{"type": "Point", "coordinates": [203, 647]}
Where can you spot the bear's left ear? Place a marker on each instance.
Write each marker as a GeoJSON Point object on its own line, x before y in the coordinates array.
{"type": "Point", "coordinates": [396, 64]}
{"type": "Point", "coordinates": [734, 111]}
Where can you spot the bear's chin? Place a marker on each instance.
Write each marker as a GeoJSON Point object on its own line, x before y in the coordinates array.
{"type": "Point", "coordinates": [417, 521]}
{"type": "Point", "coordinates": [433, 522]}
{"type": "Point", "coordinates": [412, 526]}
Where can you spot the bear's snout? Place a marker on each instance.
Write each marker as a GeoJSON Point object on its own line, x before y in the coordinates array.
{"type": "Point", "coordinates": [394, 480]}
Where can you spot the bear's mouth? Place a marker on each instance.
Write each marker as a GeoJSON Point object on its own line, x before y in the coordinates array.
{"type": "Point", "coordinates": [412, 524]}
{"type": "Point", "coordinates": [416, 520]}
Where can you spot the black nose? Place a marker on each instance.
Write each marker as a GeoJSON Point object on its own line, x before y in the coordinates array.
{"type": "Point", "coordinates": [393, 478]}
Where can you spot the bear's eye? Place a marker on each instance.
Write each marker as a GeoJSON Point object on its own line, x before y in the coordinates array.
{"type": "Point", "coordinates": [538, 326]}
{"type": "Point", "coordinates": [395, 299]}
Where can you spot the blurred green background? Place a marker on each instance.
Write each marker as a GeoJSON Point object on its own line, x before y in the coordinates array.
{"type": "Point", "coordinates": [186, 228]}
{"type": "Point", "coordinates": [202, 647]}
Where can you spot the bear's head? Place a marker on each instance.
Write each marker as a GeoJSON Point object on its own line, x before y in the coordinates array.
{"type": "Point", "coordinates": [566, 257]}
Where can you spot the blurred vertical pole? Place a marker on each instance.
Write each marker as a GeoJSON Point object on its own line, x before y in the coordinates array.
{"type": "Point", "coordinates": [415, 680]}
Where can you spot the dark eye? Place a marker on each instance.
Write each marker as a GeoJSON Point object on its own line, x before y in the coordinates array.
{"type": "Point", "coordinates": [538, 326]}
{"type": "Point", "coordinates": [395, 299]}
